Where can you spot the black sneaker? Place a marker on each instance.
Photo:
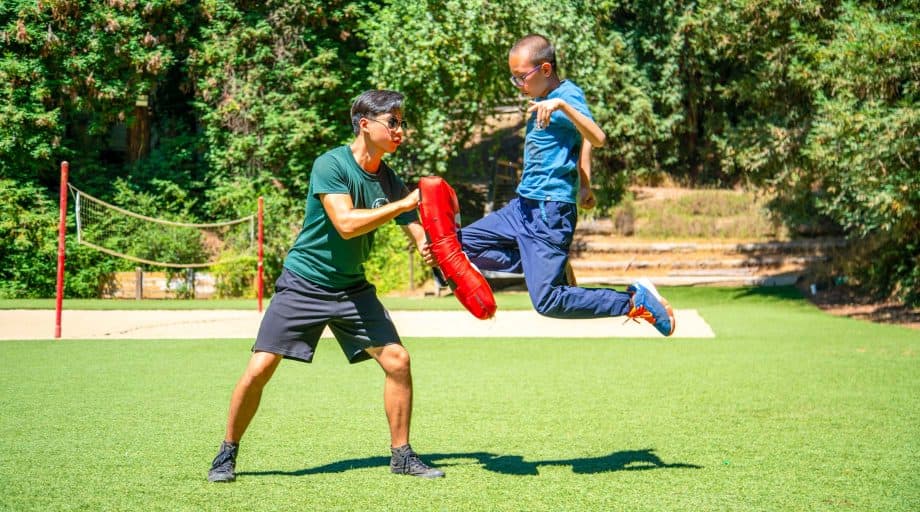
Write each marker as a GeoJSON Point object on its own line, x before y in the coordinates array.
{"type": "Point", "coordinates": [406, 462]}
{"type": "Point", "coordinates": [224, 465]}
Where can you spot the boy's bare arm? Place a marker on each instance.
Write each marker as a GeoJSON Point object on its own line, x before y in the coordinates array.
{"type": "Point", "coordinates": [584, 124]}
{"type": "Point", "coordinates": [586, 197]}
{"type": "Point", "coordinates": [351, 222]}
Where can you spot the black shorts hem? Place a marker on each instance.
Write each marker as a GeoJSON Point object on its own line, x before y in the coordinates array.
{"type": "Point", "coordinates": [361, 355]}
{"type": "Point", "coordinates": [284, 354]}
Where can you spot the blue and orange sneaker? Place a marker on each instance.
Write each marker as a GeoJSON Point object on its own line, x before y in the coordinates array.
{"type": "Point", "coordinates": [647, 304]}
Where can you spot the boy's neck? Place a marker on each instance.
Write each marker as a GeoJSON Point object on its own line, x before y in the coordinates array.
{"type": "Point", "coordinates": [367, 156]}
{"type": "Point", "coordinates": [553, 82]}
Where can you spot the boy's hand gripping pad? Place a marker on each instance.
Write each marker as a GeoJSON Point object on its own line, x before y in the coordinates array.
{"type": "Point", "coordinates": [439, 211]}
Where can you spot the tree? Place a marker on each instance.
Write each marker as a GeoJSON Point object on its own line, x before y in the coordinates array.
{"type": "Point", "coordinates": [274, 83]}
{"type": "Point", "coordinates": [448, 59]}
{"type": "Point", "coordinates": [69, 70]}
{"type": "Point", "coordinates": [814, 102]}
{"type": "Point", "coordinates": [862, 149]}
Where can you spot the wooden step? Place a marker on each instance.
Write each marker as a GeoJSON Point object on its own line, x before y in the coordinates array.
{"type": "Point", "coordinates": [590, 245]}
{"type": "Point", "coordinates": [620, 280]}
{"type": "Point", "coordinates": [724, 263]}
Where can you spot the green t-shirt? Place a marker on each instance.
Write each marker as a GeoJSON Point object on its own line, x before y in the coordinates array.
{"type": "Point", "coordinates": [320, 254]}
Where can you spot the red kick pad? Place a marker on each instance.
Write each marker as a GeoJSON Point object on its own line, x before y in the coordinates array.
{"type": "Point", "coordinates": [440, 215]}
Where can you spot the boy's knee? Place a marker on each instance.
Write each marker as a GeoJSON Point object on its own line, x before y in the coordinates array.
{"type": "Point", "coordinates": [547, 305]}
{"type": "Point", "coordinates": [395, 359]}
{"type": "Point", "coordinates": [261, 368]}
{"type": "Point", "coordinates": [551, 311]}
{"type": "Point", "coordinates": [400, 356]}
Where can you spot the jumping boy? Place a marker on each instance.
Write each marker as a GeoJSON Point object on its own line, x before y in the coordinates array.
{"type": "Point", "coordinates": [533, 232]}
{"type": "Point", "coordinates": [352, 193]}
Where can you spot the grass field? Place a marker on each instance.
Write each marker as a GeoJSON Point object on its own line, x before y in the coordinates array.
{"type": "Point", "coordinates": [786, 409]}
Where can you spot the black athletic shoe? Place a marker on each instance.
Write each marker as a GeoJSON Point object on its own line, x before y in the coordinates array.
{"type": "Point", "coordinates": [406, 462]}
{"type": "Point", "coordinates": [224, 465]}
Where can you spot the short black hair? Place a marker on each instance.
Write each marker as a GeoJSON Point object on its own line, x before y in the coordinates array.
{"type": "Point", "coordinates": [373, 103]}
{"type": "Point", "coordinates": [538, 48]}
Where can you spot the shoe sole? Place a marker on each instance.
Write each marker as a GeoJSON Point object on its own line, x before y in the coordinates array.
{"type": "Point", "coordinates": [425, 476]}
{"type": "Point", "coordinates": [645, 283]}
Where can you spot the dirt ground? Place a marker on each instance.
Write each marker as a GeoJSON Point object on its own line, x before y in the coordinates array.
{"type": "Point", "coordinates": [214, 324]}
{"type": "Point", "coordinates": [844, 301]}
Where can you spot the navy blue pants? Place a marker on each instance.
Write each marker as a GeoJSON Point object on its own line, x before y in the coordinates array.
{"type": "Point", "coordinates": [533, 237]}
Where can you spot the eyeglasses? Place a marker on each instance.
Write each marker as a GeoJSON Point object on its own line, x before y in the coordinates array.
{"type": "Point", "coordinates": [392, 123]}
{"type": "Point", "coordinates": [518, 81]}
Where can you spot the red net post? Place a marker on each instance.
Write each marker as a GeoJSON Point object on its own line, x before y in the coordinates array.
{"type": "Point", "coordinates": [62, 232]}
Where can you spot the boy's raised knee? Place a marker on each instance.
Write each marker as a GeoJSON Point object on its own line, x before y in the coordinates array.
{"type": "Point", "coordinates": [548, 305]}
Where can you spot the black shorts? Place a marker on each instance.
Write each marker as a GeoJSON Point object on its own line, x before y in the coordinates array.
{"type": "Point", "coordinates": [300, 310]}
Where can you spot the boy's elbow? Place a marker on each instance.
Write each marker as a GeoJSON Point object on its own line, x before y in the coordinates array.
{"type": "Point", "coordinates": [345, 230]}
{"type": "Point", "coordinates": [601, 140]}
{"type": "Point", "coordinates": [344, 233]}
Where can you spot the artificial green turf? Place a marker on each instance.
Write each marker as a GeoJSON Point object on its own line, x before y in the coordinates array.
{"type": "Point", "coordinates": [786, 409]}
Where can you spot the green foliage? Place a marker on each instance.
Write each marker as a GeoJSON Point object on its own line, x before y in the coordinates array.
{"type": "Point", "coordinates": [387, 267]}
{"type": "Point", "coordinates": [28, 254]}
{"type": "Point", "coordinates": [863, 147]}
{"type": "Point", "coordinates": [599, 56]}
{"type": "Point", "coordinates": [177, 159]}
{"type": "Point", "coordinates": [235, 276]}
{"type": "Point", "coordinates": [274, 83]}
{"type": "Point", "coordinates": [28, 261]}
{"type": "Point", "coordinates": [449, 59]}
{"type": "Point", "coordinates": [283, 216]}
{"type": "Point", "coordinates": [142, 239]}
{"type": "Point", "coordinates": [454, 71]}
{"type": "Point", "coordinates": [70, 69]}
{"type": "Point", "coordinates": [815, 101]}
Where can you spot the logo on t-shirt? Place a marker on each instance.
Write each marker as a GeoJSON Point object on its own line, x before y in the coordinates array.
{"type": "Point", "coordinates": [380, 201]}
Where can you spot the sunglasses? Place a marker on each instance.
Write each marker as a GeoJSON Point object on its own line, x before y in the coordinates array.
{"type": "Point", "coordinates": [392, 123]}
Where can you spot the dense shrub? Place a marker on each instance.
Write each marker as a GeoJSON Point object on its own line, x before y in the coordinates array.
{"type": "Point", "coordinates": [28, 254]}
{"type": "Point", "coordinates": [388, 265]}
{"type": "Point", "coordinates": [815, 101]}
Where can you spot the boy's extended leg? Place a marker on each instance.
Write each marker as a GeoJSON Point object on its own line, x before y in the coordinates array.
{"type": "Point", "coordinates": [544, 241]}
{"type": "Point", "coordinates": [243, 406]}
{"type": "Point", "coordinates": [397, 402]}
{"type": "Point", "coordinates": [534, 237]}
{"type": "Point", "coordinates": [397, 390]}
{"type": "Point", "coordinates": [544, 247]}
{"type": "Point", "coordinates": [491, 242]}
{"type": "Point", "coordinates": [248, 393]}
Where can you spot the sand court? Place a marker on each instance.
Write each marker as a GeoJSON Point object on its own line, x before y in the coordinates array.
{"type": "Point", "coordinates": [224, 324]}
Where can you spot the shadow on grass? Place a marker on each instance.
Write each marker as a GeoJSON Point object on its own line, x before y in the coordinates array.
{"type": "Point", "coordinates": [772, 293]}
{"type": "Point", "coordinates": [629, 460]}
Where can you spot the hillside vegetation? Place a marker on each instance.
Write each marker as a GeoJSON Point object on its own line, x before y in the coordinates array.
{"type": "Point", "coordinates": [192, 110]}
{"type": "Point", "coordinates": [681, 214]}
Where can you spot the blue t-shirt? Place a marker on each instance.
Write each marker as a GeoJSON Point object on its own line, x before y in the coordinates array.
{"type": "Point", "coordinates": [551, 153]}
